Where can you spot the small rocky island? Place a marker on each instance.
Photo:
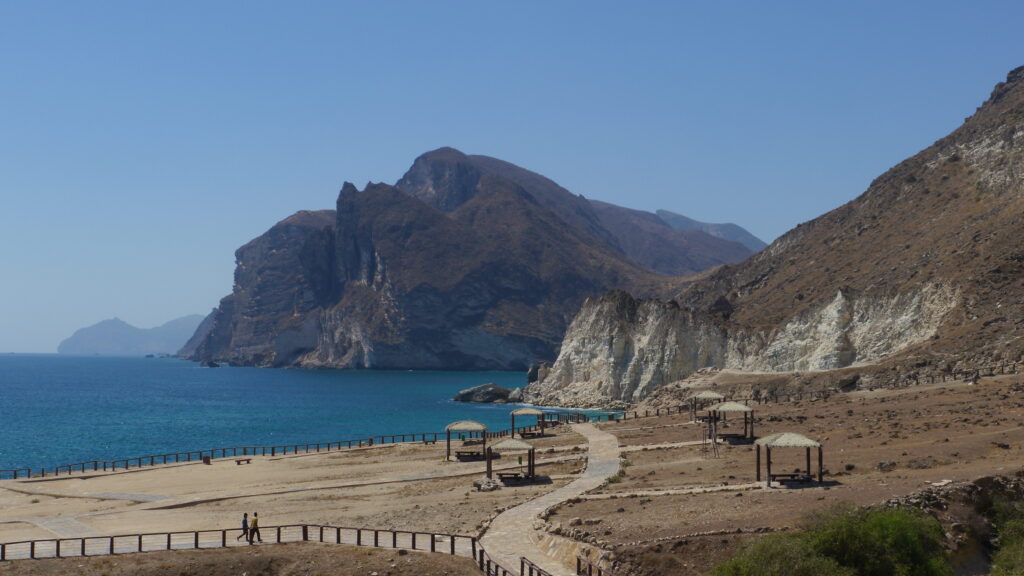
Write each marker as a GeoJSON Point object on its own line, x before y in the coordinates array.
{"type": "Point", "coordinates": [490, 393]}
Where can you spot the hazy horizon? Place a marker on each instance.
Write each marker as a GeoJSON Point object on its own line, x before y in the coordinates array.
{"type": "Point", "coordinates": [143, 144]}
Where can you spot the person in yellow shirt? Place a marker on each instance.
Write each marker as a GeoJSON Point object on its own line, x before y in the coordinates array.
{"type": "Point", "coordinates": [254, 529]}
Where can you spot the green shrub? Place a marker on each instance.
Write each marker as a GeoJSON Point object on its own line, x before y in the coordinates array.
{"type": "Point", "coordinates": [780, 555]}
{"type": "Point", "coordinates": [886, 542]}
{"type": "Point", "coordinates": [1008, 518]}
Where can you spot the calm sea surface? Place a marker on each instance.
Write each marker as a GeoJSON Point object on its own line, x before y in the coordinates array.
{"type": "Point", "coordinates": [59, 410]}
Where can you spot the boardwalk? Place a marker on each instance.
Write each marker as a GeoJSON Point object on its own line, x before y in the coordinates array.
{"type": "Point", "coordinates": [509, 537]}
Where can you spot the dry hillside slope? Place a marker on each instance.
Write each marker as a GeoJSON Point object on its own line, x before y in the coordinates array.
{"type": "Point", "coordinates": [924, 271]}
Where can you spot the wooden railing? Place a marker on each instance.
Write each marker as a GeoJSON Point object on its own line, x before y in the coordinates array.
{"type": "Point", "coordinates": [527, 568]}
{"type": "Point", "coordinates": [453, 544]}
{"type": "Point", "coordinates": [248, 451]}
{"type": "Point", "coordinates": [438, 543]}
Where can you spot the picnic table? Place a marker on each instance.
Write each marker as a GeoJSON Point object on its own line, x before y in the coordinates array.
{"type": "Point", "coordinates": [460, 454]}
{"type": "Point", "coordinates": [507, 477]}
{"type": "Point", "coordinates": [795, 477]}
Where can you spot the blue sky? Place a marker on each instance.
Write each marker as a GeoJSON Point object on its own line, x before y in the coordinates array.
{"type": "Point", "coordinates": [141, 143]}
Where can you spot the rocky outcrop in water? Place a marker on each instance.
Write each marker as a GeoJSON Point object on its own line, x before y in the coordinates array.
{"type": "Point", "coordinates": [924, 270]}
{"type": "Point", "coordinates": [489, 392]}
{"type": "Point", "coordinates": [467, 262]}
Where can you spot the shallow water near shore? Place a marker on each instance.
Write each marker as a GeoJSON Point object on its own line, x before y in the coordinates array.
{"type": "Point", "coordinates": [59, 409]}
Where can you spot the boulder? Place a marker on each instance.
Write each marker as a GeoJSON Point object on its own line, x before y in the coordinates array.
{"type": "Point", "coordinates": [489, 392]}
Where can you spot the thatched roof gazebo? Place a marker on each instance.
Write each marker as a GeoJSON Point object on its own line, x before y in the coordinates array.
{"type": "Point", "coordinates": [787, 440]}
{"type": "Point", "coordinates": [702, 399]}
{"type": "Point", "coordinates": [528, 411]}
{"type": "Point", "coordinates": [513, 445]}
{"type": "Point", "coordinates": [470, 426]}
{"type": "Point", "coordinates": [715, 414]}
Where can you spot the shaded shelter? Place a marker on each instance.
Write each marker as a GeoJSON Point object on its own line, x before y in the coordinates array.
{"type": "Point", "coordinates": [513, 445]}
{"type": "Point", "coordinates": [470, 426]}
{"type": "Point", "coordinates": [716, 412]}
{"type": "Point", "coordinates": [787, 440]}
{"type": "Point", "coordinates": [702, 399]}
{"type": "Point", "coordinates": [528, 412]}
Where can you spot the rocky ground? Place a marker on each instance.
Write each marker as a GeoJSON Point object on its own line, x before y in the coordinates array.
{"type": "Point", "coordinates": [678, 511]}
{"type": "Point", "coordinates": [674, 510]}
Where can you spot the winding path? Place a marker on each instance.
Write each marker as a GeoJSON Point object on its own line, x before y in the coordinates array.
{"type": "Point", "coordinates": [509, 537]}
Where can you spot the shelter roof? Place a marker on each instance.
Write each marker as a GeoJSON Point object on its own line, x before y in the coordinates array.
{"type": "Point", "coordinates": [528, 412]}
{"type": "Point", "coordinates": [787, 440]}
{"type": "Point", "coordinates": [708, 395]}
{"type": "Point", "coordinates": [465, 426]}
{"type": "Point", "coordinates": [730, 407]}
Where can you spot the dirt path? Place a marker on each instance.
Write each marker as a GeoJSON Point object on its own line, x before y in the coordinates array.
{"type": "Point", "coordinates": [509, 537]}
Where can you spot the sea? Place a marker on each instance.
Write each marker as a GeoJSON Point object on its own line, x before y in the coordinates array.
{"type": "Point", "coordinates": [57, 409]}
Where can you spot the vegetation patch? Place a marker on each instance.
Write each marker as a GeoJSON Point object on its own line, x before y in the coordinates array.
{"type": "Point", "coordinates": [1008, 520]}
{"type": "Point", "coordinates": [849, 541]}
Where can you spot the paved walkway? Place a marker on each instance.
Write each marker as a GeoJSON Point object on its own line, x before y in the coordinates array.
{"type": "Point", "coordinates": [62, 526]}
{"type": "Point", "coordinates": [508, 538]}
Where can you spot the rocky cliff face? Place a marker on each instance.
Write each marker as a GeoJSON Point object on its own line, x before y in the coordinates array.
{"type": "Point", "coordinates": [925, 269]}
{"type": "Point", "coordinates": [467, 262]}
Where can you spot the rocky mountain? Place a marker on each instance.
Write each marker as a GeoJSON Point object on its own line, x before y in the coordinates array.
{"type": "Point", "coordinates": [467, 262]}
{"type": "Point", "coordinates": [724, 231]}
{"type": "Point", "coordinates": [652, 243]}
{"type": "Point", "coordinates": [115, 337]}
{"type": "Point", "coordinates": [922, 273]}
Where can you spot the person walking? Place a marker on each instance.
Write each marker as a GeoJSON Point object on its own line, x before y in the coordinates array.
{"type": "Point", "coordinates": [245, 528]}
{"type": "Point", "coordinates": [254, 528]}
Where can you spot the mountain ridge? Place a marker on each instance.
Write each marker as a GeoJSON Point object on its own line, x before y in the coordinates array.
{"type": "Point", "coordinates": [467, 262]}
{"type": "Point", "coordinates": [115, 337]}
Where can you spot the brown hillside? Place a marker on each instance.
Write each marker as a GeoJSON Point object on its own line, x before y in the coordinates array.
{"type": "Point", "coordinates": [952, 214]}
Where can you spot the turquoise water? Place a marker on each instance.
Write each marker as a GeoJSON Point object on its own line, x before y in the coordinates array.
{"type": "Point", "coordinates": [60, 410]}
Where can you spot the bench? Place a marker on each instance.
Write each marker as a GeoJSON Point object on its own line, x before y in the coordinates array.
{"type": "Point", "coordinates": [425, 441]}
{"type": "Point", "coordinates": [240, 461]}
{"type": "Point", "coordinates": [790, 478]}
{"type": "Point", "coordinates": [533, 434]}
{"type": "Point", "coordinates": [460, 454]}
{"type": "Point", "coordinates": [513, 477]}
